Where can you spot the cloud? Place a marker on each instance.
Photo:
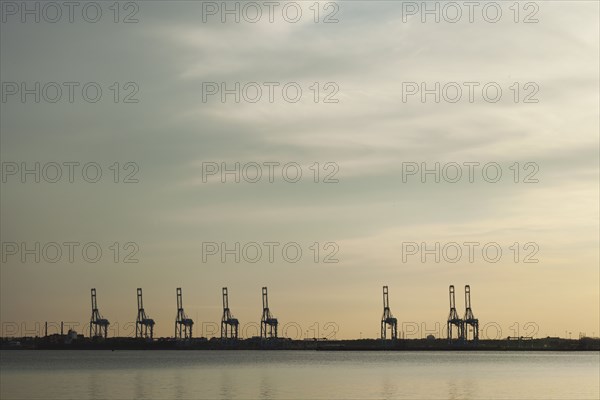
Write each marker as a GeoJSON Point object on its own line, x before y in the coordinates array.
{"type": "Point", "coordinates": [369, 133]}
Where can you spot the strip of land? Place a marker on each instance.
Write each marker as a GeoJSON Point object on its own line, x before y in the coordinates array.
{"type": "Point", "coordinates": [60, 342]}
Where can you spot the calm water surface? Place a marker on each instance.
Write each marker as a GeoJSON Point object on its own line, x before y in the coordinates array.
{"type": "Point", "coordinates": [297, 375]}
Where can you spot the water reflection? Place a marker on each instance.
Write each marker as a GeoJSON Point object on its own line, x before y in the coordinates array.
{"type": "Point", "coordinates": [389, 389]}
{"type": "Point", "coordinates": [140, 386]}
{"type": "Point", "coordinates": [265, 387]}
{"type": "Point", "coordinates": [306, 375]}
{"type": "Point", "coordinates": [178, 385]}
{"type": "Point", "coordinates": [227, 387]}
{"type": "Point", "coordinates": [94, 386]}
{"type": "Point", "coordinates": [462, 389]}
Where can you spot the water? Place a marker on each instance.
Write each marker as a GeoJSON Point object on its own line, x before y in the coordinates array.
{"type": "Point", "coordinates": [298, 374]}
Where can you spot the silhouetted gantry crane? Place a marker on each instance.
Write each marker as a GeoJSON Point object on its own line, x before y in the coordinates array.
{"type": "Point", "coordinates": [183, 324]}
{"type": "Point", "coordinates": [229, 325]}
{"type": "Point", "coordinates": [465, 329]}
{"type": "Point", "coordinates": [388, 319]}
{"type": "Point", "coordinates": [469, 319]}
{"type": "Point", "coordinates": [144, 326]}
{"type": "Point", "coordinates": [268, 324]}
{"type": "Point", "coordinates": [98, 324]}
{"type": "Point", "coordinates": [453, 319]}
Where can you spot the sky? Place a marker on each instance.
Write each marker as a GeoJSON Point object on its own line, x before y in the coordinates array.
{"type": "Point", "coordinates": [348, 98]}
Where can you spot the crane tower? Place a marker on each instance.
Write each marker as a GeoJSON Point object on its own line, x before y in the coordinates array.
{"type": "Point", "coordinates": [453, 318]}
{"type": "Point", "coordinates": [229, 325]}
{"type": "Point", "coordinates": [388, 320]}
{"type": "Point", "coordinates": [183, 324]}
{"type": "Point", "coordinates": [98, 324]}
{"type": "Point", "coordinates": [469, 320]}
{"type": "Point", "coordinates": [268, 324]}
{"type": "Point", "coordinates": [144, 326]}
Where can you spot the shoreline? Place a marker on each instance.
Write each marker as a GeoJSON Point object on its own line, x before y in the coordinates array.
{"type": "Point", "coordinates": [56, 342]}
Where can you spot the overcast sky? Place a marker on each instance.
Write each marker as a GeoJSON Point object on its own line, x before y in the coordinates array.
{"type": "Point", "coordinates": [364, 64]}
